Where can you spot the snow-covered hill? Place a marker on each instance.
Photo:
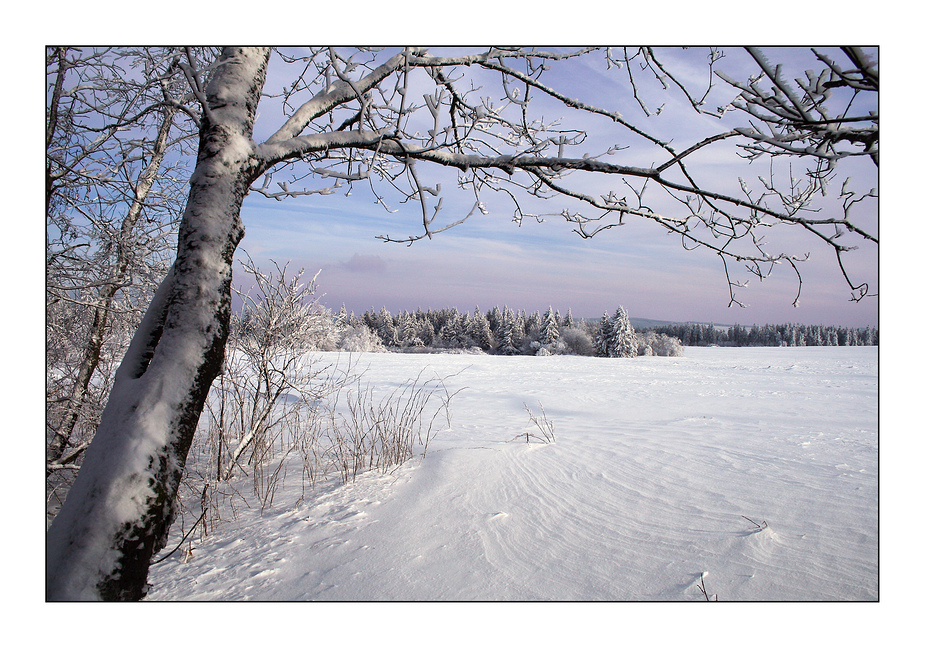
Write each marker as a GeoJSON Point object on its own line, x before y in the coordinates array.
{"type": "Point", "coordinates": [752, 472]}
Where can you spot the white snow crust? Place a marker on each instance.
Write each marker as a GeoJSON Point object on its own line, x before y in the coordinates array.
{"type": "Point", "coordinates": [657, 463]}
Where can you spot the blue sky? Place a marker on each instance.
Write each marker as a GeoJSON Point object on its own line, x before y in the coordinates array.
{"type": "Point", "coordinates": [490, 260]}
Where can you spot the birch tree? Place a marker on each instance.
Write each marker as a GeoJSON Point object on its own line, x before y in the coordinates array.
{"type": "Point", "coordinates": [400, 123]}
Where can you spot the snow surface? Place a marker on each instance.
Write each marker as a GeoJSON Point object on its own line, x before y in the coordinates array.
{"type": "Point", "coordinates": [657, 463]}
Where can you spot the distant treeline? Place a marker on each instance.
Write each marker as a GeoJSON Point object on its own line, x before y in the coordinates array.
{"type": "Point", "coordinates": [504, 331]}
{"type": "Point", "coordinates": [691, 334]}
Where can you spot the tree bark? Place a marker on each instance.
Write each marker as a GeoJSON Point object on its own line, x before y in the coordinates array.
{"type": "Point", "coordinates": [121, 505]}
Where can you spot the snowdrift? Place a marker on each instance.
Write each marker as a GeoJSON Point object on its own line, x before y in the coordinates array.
{"type": "Point", "coordinates": [727, 474]}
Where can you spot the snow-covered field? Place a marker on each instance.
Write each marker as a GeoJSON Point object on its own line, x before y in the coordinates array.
{"type": "Point", "coordinates": [656, 465]}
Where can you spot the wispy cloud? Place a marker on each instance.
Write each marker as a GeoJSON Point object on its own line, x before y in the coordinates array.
{"type": "Point", "coordinates": [364, 264]}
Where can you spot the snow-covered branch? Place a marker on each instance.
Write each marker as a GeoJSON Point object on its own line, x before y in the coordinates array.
{"type": "Point", "coordinates": [384, 133]}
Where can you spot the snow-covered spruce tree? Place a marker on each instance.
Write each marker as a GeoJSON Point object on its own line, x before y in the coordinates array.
{"type": "Point", "coordinates": [548, 342]}
{"type": "Point", "coordinates": [348, 117]}
{"type": "Point", "coordinates": [427, 331]}
{"type": "Point", "coordinates": [480, 330]}
{"type": "Point", "coordinates": [534, 325]}
{"type": "Point", "coordinates": [341, 319]}
{"type": "Point", "coordinates": [410, 330]}
{"type": "Point", "coordinates": [371, 321]}
{"type": "Point", "coordinates": [604, 336]}
{"type": "Point", "coordinates": [507, 342]}
{"type": "Point", "coordinates": [550, 330]}
{"type": "Point", "coordinates": [494, 320]}
{"type": "Point", "coordinates": [623, 337]}
{"type": "Point", "coordinates": [615, 337]}
{"type": "Point", "coordinates": [518, 329]}
{"type": "Point", "coordinates": [465, 327]}
{"type": "Point", "coordinates": [387, 330]}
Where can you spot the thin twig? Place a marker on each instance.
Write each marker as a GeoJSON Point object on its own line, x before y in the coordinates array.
{"type": "Point", "coordinates": [703, 588]}
{"type": "Point", "coordinates": [182, 540]}
{"type": "Point", "coordinates": [763, 525]}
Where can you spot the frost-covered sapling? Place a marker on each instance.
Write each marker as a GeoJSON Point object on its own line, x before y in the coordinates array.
{"type": "Point", "coordinates": [269, 374]}
{"type": "Point", "coordinates": [543, 424]}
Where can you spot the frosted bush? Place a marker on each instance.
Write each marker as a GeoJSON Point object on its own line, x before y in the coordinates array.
{"type": "Point", "coordinates": [577, 341]}
{"type": "Point", "coordinates": [360, 339]}
{"type": "Point", "coordinates": [555, 347]}
{"type": "Point", "coordinates": [665, 345]}
{"type": "Point", "coordinates": [659, 344]}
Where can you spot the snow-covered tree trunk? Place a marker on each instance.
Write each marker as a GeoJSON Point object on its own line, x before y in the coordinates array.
{"type": "Point", "coordinates": [119, 510]}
